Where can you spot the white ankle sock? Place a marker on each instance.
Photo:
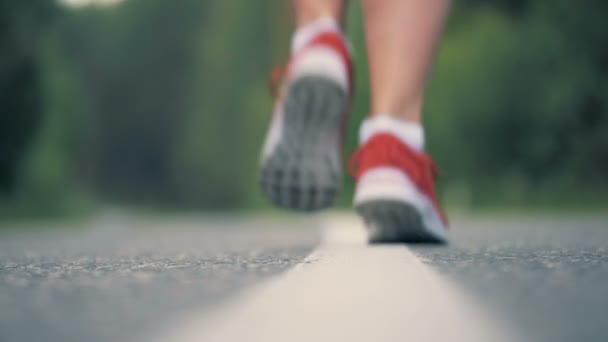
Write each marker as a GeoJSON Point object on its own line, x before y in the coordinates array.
{"type": "Point", "coordinates": [305, 34]}
{"type": "Point", "coordinates": [409, 133]}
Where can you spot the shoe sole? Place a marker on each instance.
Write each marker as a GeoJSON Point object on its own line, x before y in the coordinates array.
{"type": "Point", "coordinates": [303, 172]}
{"type": "Point", "coordinates": [390, 221]}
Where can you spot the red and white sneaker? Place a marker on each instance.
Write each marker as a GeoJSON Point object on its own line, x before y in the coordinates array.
{"type": "Point", "coordinates": [395, 192]}
{"type": "Point", "coordinates": [301, 158]}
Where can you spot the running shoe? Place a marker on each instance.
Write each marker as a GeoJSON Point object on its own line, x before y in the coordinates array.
{"type": "Point", "coordinates": [395, 192]}
{"type": "Point", "coordinates": [301, 158]}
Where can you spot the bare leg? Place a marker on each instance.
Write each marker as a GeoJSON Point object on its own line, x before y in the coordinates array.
{"type": "Point", "coordinates": [401, 39]}
{"type": "Point", "coordinates": [308, 11]}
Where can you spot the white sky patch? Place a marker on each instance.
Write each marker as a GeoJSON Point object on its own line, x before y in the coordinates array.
{"type": "Point", "coordinates": [77, 3]}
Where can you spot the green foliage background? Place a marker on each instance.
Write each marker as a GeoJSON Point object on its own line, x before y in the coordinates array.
{"type": "Point", "coordinates": [163, 103]}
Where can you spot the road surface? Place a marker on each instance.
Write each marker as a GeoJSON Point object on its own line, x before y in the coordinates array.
{"type": "Point", "coordinates": [129, 278]}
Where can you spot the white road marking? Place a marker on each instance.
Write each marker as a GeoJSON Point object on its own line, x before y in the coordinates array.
{"type": "Point", "coordinates": [347, 291]}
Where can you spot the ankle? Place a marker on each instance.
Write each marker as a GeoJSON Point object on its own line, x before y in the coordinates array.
{"type": "Point", "coordinates": [409, 132]}
{"type": "Point", "coordinates": [304, 34]}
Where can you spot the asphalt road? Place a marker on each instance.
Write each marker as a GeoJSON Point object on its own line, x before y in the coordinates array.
{"type": "Point", "coordinates": [121, 278]}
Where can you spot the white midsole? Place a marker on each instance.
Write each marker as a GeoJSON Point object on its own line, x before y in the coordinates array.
{"type": "Point", "coordinates": [387, 183]}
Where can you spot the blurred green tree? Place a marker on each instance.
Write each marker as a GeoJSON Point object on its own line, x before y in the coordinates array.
{"type": "Point", "coordinates": [175, 111]}
{"type": "Point", "coordinates": [21, 24]}
{"type": "Point", "coordinates": [163, 102]}
{"type": "Point", "coordinates": [522, 100]}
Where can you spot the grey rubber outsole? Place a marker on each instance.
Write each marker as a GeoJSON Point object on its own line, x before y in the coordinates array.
{"type": "Point", "coordinates": [303, 172]}
{"type": "Point", "coordinates": [390, 221]}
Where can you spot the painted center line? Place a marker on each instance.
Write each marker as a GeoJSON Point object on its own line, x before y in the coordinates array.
{"type": "Point", "coordinates": [348, 291]}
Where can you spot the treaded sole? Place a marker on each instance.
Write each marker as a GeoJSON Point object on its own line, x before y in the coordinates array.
{"type": "Point", "coordinates": [390, 221]}
{"type": "Point", "coordinates": [303, 171]}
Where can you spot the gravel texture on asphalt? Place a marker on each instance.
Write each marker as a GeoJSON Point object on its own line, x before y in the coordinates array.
{"type": "Point", "coordinates": [125, 277]}
{"type": "Point", "coordinates": [547, 275]}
